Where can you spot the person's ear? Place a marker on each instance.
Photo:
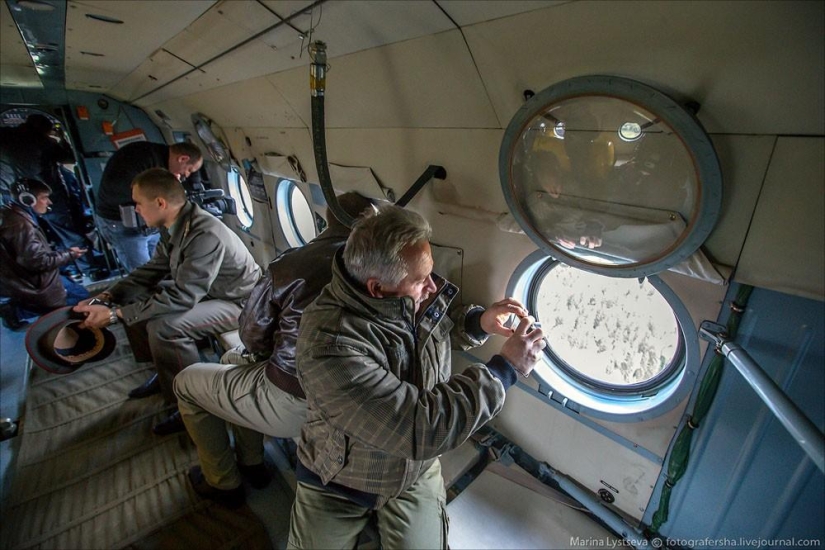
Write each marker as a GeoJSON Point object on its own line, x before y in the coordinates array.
{"type": "Point", "coordinates": [161, 202]}
{"type": "Point", "coordinates": [374, 288]}
{"type": "Point", "coordinates": [183, 159]}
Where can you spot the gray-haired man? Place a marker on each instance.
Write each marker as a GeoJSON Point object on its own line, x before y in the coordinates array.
{"type": "Point", "coordinates": [374, 362]}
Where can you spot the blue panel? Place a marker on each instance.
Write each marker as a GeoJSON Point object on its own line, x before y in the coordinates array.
{"type": "Point", "coordinates": [747, 477]}
{"type": "Point", "coordinates": [124, 117]}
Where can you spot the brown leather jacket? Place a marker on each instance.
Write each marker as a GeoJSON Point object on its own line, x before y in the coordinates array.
{"type": "Point", "coordinates": [269, 321]}
{"type": "Point", "coordinates": [29, 268]}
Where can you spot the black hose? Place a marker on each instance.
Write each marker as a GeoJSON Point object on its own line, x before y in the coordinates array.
{"type": "Point", "coordinates": [319, 147]}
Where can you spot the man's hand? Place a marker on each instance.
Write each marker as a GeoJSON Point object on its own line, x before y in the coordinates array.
{"type": "Point", "coordinates": [96, 316]}
{"type": "Point", "coordinates": [493, 319]}
{"type": "Point", "coordinates": [77, 252]}
{"type": "Point", "coordinates": [522, 349]}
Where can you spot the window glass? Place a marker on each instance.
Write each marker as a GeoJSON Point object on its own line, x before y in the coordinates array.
{"type": "Point", "coordinates": [302, 215]}
{"type": "Point", "coordinates": [618, 334]}
{"type": "Point", "coordinates": [621, 349]}
{"type": "Point", "coordinates": [294, 214]}
{"type": "Point", "coordinates": [610, 175]}
{"type": "Point", "coordinates": [239, 190]}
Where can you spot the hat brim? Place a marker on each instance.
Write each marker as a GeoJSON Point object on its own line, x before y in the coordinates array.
{"type": "Point", "coordinates": [40, 339]}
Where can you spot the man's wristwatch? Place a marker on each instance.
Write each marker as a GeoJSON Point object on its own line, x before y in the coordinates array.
{"type": "Point", "coordinates": [112, 316]}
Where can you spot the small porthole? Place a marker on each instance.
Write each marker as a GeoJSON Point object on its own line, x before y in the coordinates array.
{"type": "Point", "coordinates": [294, 214]}
{"type": "Point", "coordinates": [617, 348]}
{"type": "Point", "coordinates": [239, 190]}
{"type": "Point", "coordinates": [610, 334]}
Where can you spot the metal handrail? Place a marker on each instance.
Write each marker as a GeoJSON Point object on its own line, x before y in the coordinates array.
{"type": "Point", "coordinates": [800, 426]}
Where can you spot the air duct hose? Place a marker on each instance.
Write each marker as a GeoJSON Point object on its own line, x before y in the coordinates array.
{"type": "Point", "coordinates": [317, 83]}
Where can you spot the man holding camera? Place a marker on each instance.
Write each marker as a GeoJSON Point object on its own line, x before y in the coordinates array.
{"type": "Point", "coordinates": [114, 209]}
{"type": "Point", "coordinates": [194, 286]}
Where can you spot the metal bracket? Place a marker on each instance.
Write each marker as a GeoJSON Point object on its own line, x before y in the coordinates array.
{"type": "Point", "coordinates": [714, 333]}
{"type": "Point", "coordinates": [432, 171]}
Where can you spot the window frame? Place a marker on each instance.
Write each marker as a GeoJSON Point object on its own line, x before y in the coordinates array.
{"type": "Point", "coordinates": [286, 214]}
{"type": "Point", "coordinates": [599, 401]}
{"type": "Point", "coordinates": [246, 212]}
{"type": "Point", "coordinates": [683, 124]}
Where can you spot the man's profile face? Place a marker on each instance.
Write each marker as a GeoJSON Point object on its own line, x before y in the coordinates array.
{"type": "Point", "coordinates": [418, 284]}
{"type": "Point", "coordinates": [42, 203]}
{"type": "Point", "coordinates": [148, 208]}
{"type": "Point", "coordinates": [182, 167]}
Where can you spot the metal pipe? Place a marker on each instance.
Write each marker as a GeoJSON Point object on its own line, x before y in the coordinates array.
{"type": "Point", "coordinates": [432, 171]}
{"type": "Point", "coordinates": [802, 429]}
{"type": "Point", "coordinates": [551, 477]}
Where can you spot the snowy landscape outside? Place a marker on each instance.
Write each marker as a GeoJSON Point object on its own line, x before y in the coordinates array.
{"type": "Point", "coordinates": [615, 331]}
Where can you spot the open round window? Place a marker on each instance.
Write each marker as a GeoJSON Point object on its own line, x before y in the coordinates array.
{"type": "Point", "coordinates": [610, 175]}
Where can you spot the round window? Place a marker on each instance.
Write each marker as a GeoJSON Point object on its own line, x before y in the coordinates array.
{"type": "Point", "coordinates": [239, 190]}
{"type": "Point", "coordinates": [294, 214]}
{"type": "Point", "coordinates": [616, 347]}
{"type": "Point", "coordinates": [610, 175]}
{"type": "Point", "coordinates": [619, 335]}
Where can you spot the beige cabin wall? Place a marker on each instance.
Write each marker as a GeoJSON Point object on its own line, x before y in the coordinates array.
{"type": "Point", "coordinates": [437, 99]}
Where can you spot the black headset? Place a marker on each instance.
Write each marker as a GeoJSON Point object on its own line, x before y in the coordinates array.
{"type": "Point", "coordinates": [23, 193]}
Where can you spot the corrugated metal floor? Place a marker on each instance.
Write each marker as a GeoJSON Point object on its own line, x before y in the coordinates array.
{"type": "Point", "coordinates": [90, 474]}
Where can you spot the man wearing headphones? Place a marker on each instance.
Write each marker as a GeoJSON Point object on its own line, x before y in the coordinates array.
{"type": "Point", "coordinates": [29, 268]}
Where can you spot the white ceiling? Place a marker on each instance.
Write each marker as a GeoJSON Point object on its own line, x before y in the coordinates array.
{"type": "Point", "coordinates": [161, 49]}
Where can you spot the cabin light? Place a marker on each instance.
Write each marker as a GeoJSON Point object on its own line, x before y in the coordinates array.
{"type": "Point", "coordinates": [558, 130]}
{"type": "Point", "coordinates": [630, 131]}
{"type": "Point", "coordinates": [104, 18]}
{"type": "Point", "coordinates": [542, 126]}
{"type": "Point", "coordinates": [35, 5]}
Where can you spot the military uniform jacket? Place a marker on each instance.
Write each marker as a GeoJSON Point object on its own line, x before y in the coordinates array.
{"type": "Point", "coordinates": [198, 258]}
{"type": "Point", "coordinates": [382, 403]}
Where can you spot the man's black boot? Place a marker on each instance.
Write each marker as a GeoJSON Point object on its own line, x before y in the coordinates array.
{"type": "Point", "coordinates": [171, 424]}
{"type": "Point", "coordinates": [150, 387]}
{"type": "Point", "coordinates": [10, 319]}
{"type": "Point", "coordinates": [257, 475]}
{"type": "Point", "coordinates": [232, 498]}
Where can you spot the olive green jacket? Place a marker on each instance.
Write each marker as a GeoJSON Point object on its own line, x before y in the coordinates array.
{"type": "Point", "coordinates": [382, 402]}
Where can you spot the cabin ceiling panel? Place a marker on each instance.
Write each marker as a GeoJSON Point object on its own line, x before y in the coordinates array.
{"type": "Point", "coordinates": [467, 13]}
{"type": "Point", "coordinates": [252, 103]}
{"type": "Point", "coordinates": [429, 82]}
{"type": "Point", "coordinates": [159, 67]}
{"type": "Point", "coordinates": [744, 161]}
{"type": "Point", "coordinates": [228, 23]}
{"type": "Point", "coordinates": [14, 51]}
{"type": "Point", "coordinates": [785, 247]}
{"type": "Point", "coordinates": [377, 23]}
{"type": "Point", "coordinates": [753, 67]}
{"type": "Point", "coordinates": [16, 66]}
{"type": "Point", "coordinates": [124, 46]}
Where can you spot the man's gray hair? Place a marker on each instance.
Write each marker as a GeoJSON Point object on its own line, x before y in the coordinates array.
{"type": "Point", "coordinates": [376, 241]}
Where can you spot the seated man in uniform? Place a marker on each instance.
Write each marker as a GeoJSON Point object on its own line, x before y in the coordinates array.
{"type": "Point", "coordinates": [194, 286]}
{"type": "Point", "coordinates": [374, 361]}
{"type": "Point", "coordinates": [263, 398]}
